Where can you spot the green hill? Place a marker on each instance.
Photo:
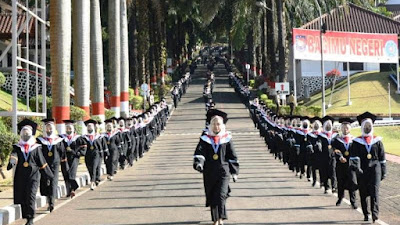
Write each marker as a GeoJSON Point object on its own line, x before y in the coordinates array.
{"type": "Point", "coordinates": [6, 102]}
{"type": "Point", "coordinates": [369, 92]}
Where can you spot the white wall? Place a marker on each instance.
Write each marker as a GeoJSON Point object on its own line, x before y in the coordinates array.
{"type": "Point", "coordinates": [313, 68]}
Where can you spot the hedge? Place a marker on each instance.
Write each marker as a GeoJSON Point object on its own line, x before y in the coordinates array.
{"type": "Point", "coordinates": [2, 79]}
{"type": "Point", "coordinates": [32, 103]}
{"type": "Point", "coordinates": [6, 142]}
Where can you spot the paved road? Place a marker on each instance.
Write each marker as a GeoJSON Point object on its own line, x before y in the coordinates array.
{"type": "Point", "coordinates": [163, 188]}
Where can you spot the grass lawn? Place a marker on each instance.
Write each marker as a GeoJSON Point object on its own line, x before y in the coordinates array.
{"type": "Point", "coordinates": [369, 92]}
{"type": "Point", "coordinates": [6, 101]}
{"type": "Point", "coordinates": [391, 137]}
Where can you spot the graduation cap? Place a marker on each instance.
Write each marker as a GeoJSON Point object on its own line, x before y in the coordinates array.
{"type": "Point", "coordinates": [366, 115]}
{"type": "Point", "coordinates": [108, 121]}
{"type": "Point", "coordinates": [312, 120]}
{"type": "Point", "coordinates": [129, 118]}
{"type": "Point", "coordinates": [121, 118]}
{"type": "Point", "coordinates": [215, 112]}
{"type": "Point", "coordinates": [114, 118]}
{"type": "Point", "coordinates": [69, 121]}
{"type": "Point", "coordinates": [305, 118]}
{"type": "Point", "coordinates": [87, 122]}
{"type": "Point", "coordinates": [326, 118]}
{"type": "Point", "coordinates": [48, 120]}
{"type": "Point", "coordinates": [27, 123]}
{"type": "Point", "coordinates": [346, 120]}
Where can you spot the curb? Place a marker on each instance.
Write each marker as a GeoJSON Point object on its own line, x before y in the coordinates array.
{"type": "Point", "coordinates": [11, 213]}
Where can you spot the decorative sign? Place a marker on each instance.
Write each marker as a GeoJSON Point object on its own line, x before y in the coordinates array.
{"type": "Point", "coordinates": [345, 46]}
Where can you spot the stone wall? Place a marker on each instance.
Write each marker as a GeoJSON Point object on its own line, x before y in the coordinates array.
{"type": "Point", "coordinates": [315, 84]}
{"type": "Point", "coordinates": [22, 84]}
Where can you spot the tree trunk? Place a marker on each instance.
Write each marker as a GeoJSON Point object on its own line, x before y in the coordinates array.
{"type": "Point", "coordinates": [133, 46]}
{"type": "Point", "coordinates": [281, 41]}
{"type": "Point", "coordinates": [124, 61]}
{"type": "Point", "coordinates": [81, 54]}
{"type": "Point", "coordinates": [271, 39]}
{"type": "Point", "coordinates": [266, 67]}
{"type": "Point", "coordinates": [60, 59]}
{"type": "Point", "coordinates": [96, 61]}
{"type": "Point", "coordinates": [114, 54]}
{"type": "Point", "coordinates": [143, 47]}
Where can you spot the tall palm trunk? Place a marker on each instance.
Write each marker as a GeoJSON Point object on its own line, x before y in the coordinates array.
{"type": "Point", "coordinates": [281, 40]}
{"type": "Point", "coordinates": [271, 38]}
{"type": "Point", "coordinates": [96, 61]}
{"type": "Point", "coordinates": [133, 46]}
{"type": "Point", "coordinates": [60, 59]}
{"type": "Point", "coordinates": [124, 61]}
{"type": "Point", "coordinates": [264, 50]}
{"type": "Point", "coordinates": [81, 54]}
{"type": "Point", "coordinates": [114, 54]}
{"type": "Point", "coordinates": [142, 9]}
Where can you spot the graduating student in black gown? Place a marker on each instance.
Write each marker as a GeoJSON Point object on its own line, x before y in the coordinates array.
{"type": "Point", "coordinates": [216, 158]}
{"type": "Point", "coordinates": [342, 145]}
{"type": "Point", "coordinates": [28, 160]}
{"type": "Point", "coordinates": [53, 151]}
{"type": "Point", "coordinates": [369, 151]}
{"type": "Point", "coordinates": [113, 141]}
{"type": "Point", "coordinates": [75, 147]}
{"type": "Point", "coordinates": [96, 146]}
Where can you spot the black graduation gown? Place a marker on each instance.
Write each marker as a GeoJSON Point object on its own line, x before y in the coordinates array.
{"type": "Point", "coordinates": [94, 152]}
{"type": "Point", "coordinates": [75, 147]}
{"type": "Point", "coordinates": [26, 179]}
{"type": "Point", "coordinates": [326, 160]}
{"type": "Point", "coordinates": [113, 142]}
{"type": "Point", "coordinates": [131, 154]}
{"type": "Point", "coordinates": [373, 170]}
{"type": "Point", "coordinates": [125, 138]}
{"type": "Point", "coordinates": [343, 175]}
{"type": "Point", "coordinates": [216, 173]}
{"type": "Point", "coordinates": [54, 154]}
{"type": "Point", "coordinates": [313, 153]}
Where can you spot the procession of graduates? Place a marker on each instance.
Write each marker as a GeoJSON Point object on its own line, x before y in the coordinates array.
{"type": "Point", "coordinates": [37, 161]}
{"type": "Point", "coordinates": [312, 145]}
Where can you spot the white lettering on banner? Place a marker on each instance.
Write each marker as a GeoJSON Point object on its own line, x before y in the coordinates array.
{"type": "Point", "coordinates": [345, 46]}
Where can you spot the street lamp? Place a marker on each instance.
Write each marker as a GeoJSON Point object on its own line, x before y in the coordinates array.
{"type": "Point", "coordinates": [322, 30]}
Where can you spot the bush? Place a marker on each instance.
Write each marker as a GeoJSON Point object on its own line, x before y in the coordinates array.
{"type": "Point", "coordinates": [109, 114]}
{"type": "Point", "coordinates": [264, 98]}
{"type": "Point", "coordinates": [6, 142]}
{"type": "Point", "coordinates": [252, 83]}
{"type": "Point", "coordinates": [131, 93]}
{"type": "Point", "coordinates": [77, 113]}
{"type": "Point", "coordinates": [32, 103]}
{"type": "Point", "coordinates": [3, 127]}
{"type": "Point", "coordinates": [2, 79]}
{"type": "Point", "coordinates": [8, 121]}
{"type": "Point", "coordinates": [137, 102]}
{"type": "Point", "coordinates": [314, 110]}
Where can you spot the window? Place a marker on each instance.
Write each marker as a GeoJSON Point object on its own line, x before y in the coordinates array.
{"type": "Point", "coordinates": [354, 66]}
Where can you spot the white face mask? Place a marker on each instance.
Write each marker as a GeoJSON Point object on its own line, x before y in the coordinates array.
{"type": "Point", "coordinates": [367, 127]}
{"type": "Point", "coordinates": [328, 126]}
{"type": "Point", "coordinates": [69, 129]}
{"type": "Point", "coordinates": [26, 134]}
{"type": "Point", "coordinates": [90, 129]}
{"type": "Point", "coordinates": [217, 126]}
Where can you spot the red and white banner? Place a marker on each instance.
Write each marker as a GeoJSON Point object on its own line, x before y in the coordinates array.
{"type": "Point", "coordinates": [345, 46]}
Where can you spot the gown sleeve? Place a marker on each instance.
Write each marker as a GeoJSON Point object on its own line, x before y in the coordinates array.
{"type": "Point", "coordinates": [232, 158]}
{"type": "Point", "coordinates": [82, 146]}
{"type": "Point", "coordinates": [13, 159]}
{"type": "Point", "coordinates": [382, 159]}
{"type": "Point", "coordinates": [104, 144]}
{"type": "Point", "coordinates": [41, 162]}
{"type": "Point", "coordinates": [199, 156]}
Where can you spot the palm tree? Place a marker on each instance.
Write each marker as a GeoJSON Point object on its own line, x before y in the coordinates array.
{"type": "Point", "coordinates": [114, 54]}
{"type": "Point", "coordinates": [96, 61]}
{"type": "Point", "coordinates": [60, 58]}
{"type": "Point", "coordinates": [124, 61]}
{"type": "Point", "coordinates": [133, 46]}
{"type": "Point", "coordinates": [81, 53]}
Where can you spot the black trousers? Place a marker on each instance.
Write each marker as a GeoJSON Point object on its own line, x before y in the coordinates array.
{"type": "Point", "coordinates": [291, 108]}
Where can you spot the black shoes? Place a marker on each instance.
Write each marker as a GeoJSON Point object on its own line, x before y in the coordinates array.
{"type": "Point", "coordinates": [366, 218]}
{"type": "Point", "coordinates": [354, 205]}
{"type": "Point", "coordinates": [339, 202]}
{"type": "Point", "coordinates": [29, 221]}
{"type": "Point", "coordinates": [50, 208]}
